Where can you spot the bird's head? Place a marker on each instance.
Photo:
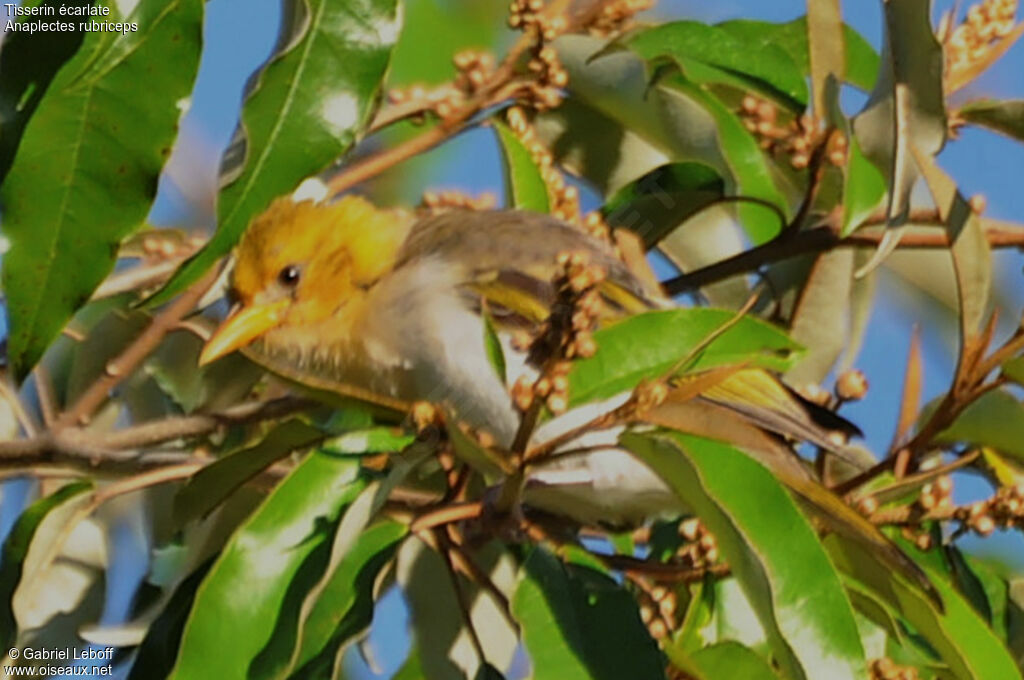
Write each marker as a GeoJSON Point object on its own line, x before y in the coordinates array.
{"type": "Point", "coordinates": [299, 263]}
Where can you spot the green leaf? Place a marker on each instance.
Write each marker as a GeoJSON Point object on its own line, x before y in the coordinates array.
{"type": "Point", "coordinates": [616, 127]}
{"type": "Point", "coordinates": [368, 440]}
{"type": "Point", "coordinates": [776, 556]}
{"type": "Point", "coordinates": [524, 185]}
{"type": "Point", "coordinates": [821, 318]}
{"type": "Point", "coordinates": [160, 646]}
{"type": "Point", "coordinates": [16, 547]}
{"type": "Point", "coordinates": [709, 54]}
{"type": "Point", "coordinates": [748, 165]}
{"type": "Point", "coordinates": [1014, 370]}
{"type": "Point", "coordinates": [313, 101]}
{"type": "Point", "coordinates": [906, 109]}
{"type": "Point", "coordinates": [260, 571]}
{"type": "Point", "coordinates": [344, 605]}
{"type": "Point", "coordinates": [959, 636]}
{"type": "Point", "coordinates": [86, 170]}
{"type": "Point", "coordinates": [579, 624]}
{"type": "Point", "coordinates": [211, 485]}
{"type": "Point", "coordinates": [648, 345]}
{"type": "Point", "coordinates": [995, 419]}
{"type": "Point", "coordinates": [731, 660]}
{"type": "Point", "coordinates": [863, 185]}
{"type": "Point", "coordinates": [972, 256]}
{"type": "Point", "coordinates": [663, 199]}
{"type": "Point", "coordinates": [1006, 117]}
{"type": "Point", "coordinates": [495, 354]}
{"type": "Point", "coordinates": [30, 62]}
{"type": "Point", "coordinates": [862, 61]}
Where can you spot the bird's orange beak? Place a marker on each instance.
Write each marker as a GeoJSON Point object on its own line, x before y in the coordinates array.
{"type": "Point", "coordinates": [243, 325]}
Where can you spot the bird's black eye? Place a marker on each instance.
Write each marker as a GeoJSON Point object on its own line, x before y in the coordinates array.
{"type": "Point", "coordinates": [289, 276]}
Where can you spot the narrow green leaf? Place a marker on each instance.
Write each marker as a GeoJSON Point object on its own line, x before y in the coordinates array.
{"type": "Point", "coordinates": [862, 61]}
{"type": "Point", "coordinates": [16, 547]}
{"type": "Point", "coordinates": [663, 199]}
{"type": "Point", "coordinates": [821, 319]}
{"type": "Point", "coordinates": [495, 354]}
{"type": "Point", "coordinates": [863, 184]}
{"type": "Point", "coordinates": [995, 419]}
{"type": "Point", "coordinates": [708, 54]}
{"type": "Point", "coordinates": [368, 440]}
{"type": "Point", "coordinates": [906, 109]}
{"type": "Point", "coordinates": [731, 660]}
{"type": "Point", "coordinates": [959, 636]}
{"type": "Point", "coordinates": [344, 606]}
{"type": "Point", "coordinates": [244, 595]}
{"type": "Point", "coordinates": [1005, 117]}
{"type": "Point", "coordinates": [524, 184]}
{"type": "Point", "coordinates": [313, 101]}
{"type": "Point", "coordinates": [972, 256]}
{"type": "Point", "coordinates": [776, 556]}
{"type": "Point", "coordinates": [86, 170]}
{"type": "Point", "coordinates": [648, 345]}
{"type": "Point", "coordinates": [579, 624]}
{"type": "Point", "coordinates": [211, 485]}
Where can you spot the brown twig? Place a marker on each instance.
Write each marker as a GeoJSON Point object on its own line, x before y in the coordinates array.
{"type": "Point", "coordinates": [124, 364]}
{"type": "Point", "coordinates": [815, 173]}
{"type": "Point", "coordinates": [825, 238]}
{"type": "Point", "coordinates": [661, 571]}
{"type": "Point", "coordinates": [77, 447]}
{"type": "Point", "coordinates": [455, 512]}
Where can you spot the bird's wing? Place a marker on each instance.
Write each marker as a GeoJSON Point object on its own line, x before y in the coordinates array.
{"type": "Point", "coordinates": [510, 258]}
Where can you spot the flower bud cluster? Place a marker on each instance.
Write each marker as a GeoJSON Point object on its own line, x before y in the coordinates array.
{"type": "Point", "coordinates": [887, 669]}
{"type": "Point", "coordinates": [436, 202]}
{"type": "Point", "coordinates": [616, 16]}
{"type": "Point", "coordinates": [970, 44]}
{"type": "Point", "coordinates": [795, 138]}
{"type": "Point", "coordinates": [566, 334]}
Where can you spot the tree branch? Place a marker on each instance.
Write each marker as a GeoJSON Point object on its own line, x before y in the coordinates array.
{"type": "Point", "coordinates": [125, 363]}
{"type": "Point", "coordinates": [825, 238]}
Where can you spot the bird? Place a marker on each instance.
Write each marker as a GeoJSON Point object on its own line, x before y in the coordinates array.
{"type": "Point", "coordinates": [392, 308]}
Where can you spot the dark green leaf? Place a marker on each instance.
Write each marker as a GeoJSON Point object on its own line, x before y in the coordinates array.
{"type": "Point", "coordinates": [995, 419]}
{"type": "Point", "coordinates": [246, 590]}
{"type": "Point", "coordinates": [862, 62]}
{"type": "Point", "coordinates": [86, 170]}
{"type": "Point", "coordinates": [1006, 117]}
{"type": "Point", "coordinates": [648, 345]}
{"type": "Point", "coordinates": [312, 103]}
{"type": "Point", "coordinates": [209, 487]}
{"type": "Point", "coordinates": [663, 199]}
{"type": "Point", "coordinates": [160, 646]}
{"type": "Point", "coordinates": [709, 54]}
{"type": "Point", "coordinates": [524, 184]}
{"type": "Point", "coordinates": [906, 109]}
{"type": "Point", "coordinates": [30, 61]}
{"type": "Point", "coordinates": [16, 547]}
{"type": "Point", "coordinates": [579, 624]}
{"type": "Point", "coordinates": [776, 556]}
{"type": "Point", "coordinates": [344, 606]}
